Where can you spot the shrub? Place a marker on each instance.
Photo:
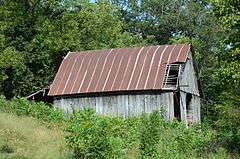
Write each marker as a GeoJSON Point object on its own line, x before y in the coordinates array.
{"type": "Point", "coordinates": [93, 136]}
{"type": "Point", "coordinates": [6, 149]}
{"type": "Point", "coordinates": [39, 110]}
{"type": "Point", "coordinates": [224, 117]}
{"type": "Point", "coordinates": [162, 139]}
{"type": "Point", "coordinates": [188, 142]}
{"type": "Point", "coordinates": [150, 134]}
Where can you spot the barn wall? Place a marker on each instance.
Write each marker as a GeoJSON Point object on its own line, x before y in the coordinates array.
{"type": "Point", "coordinates": [188, 84]}
{"type": "Point", "coordinates": [120, 105]}
{"type": "Point", "coordinates": [188, 78]}
{"type": "Point", "coordinates": [192, 114]}
{"type": "Point", "coordinates": [183, 107]}
{"type": "Point", "coordinates": [196, 108]}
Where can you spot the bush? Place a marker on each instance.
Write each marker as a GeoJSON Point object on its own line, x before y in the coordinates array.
{"type": "Point", "coordinates": [39, 110]}
{"type": "Point", "coordinates": [6, 149]}
{"type": "Point", "coordinates": [150, 134]}
{"type": "Point", "coordinates": [93, 136]}
{"type": "Point", "coordinates": [224, 117]}
{"type": "Point", "coordinates": [147, 136]}
{"type": "Point", "coordinates": [163, 139]}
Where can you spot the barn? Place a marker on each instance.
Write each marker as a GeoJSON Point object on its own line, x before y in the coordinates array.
{"type": "Point", "coordinates": [130, 81]}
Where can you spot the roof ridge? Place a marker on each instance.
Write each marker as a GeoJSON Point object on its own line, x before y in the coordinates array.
{"type": "Point", "coordinates": [135, 47]}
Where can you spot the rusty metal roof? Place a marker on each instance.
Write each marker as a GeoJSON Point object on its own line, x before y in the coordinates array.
{"type": "Point", "coordinates": [120, 69]}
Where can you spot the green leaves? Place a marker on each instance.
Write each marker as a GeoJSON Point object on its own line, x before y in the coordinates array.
{"type": "Point", "coordinates": [148, 136]}
{"type": "Point", "coordinates": [40, 110]}
{"type": "Point", "coordinates": [92, 136]}
{"type": "Point", "coordinates": [36, 35]}
{"type": "Point", "coordinates": [95, 27]}
{"type": "Point", "coordinates": [10, 57]}
{"type": "Point", "coordinates": [10, 60]}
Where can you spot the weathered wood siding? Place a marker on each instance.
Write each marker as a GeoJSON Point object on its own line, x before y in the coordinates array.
{"type": "Point", "coordinates": [188, 78]}
{"type": "Point", "coordinates": [192, 115]}
{"type": "Point", "coordinates": [188, 84]}
{"type": "Point", "coordinates": [120, 105]}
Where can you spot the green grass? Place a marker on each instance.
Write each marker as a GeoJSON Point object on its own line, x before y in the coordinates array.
{"type": "Point", "coordinates": [27, 138]}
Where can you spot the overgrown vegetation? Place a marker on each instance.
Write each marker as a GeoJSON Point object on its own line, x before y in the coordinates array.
{"type": "Point", "coordinates": [23, 137]}
{"type": "Point", "coordinates": [39, 110]}
{"type": "Point", "coordinates": [88, 135]}
{"type": "Point", "coordinates": [147, 136]}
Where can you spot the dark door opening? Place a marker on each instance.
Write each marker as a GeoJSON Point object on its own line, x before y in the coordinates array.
{"type": "Point", "coordinates": [189, 108]}
{"type": "Point", "coordinates": [177, 110]}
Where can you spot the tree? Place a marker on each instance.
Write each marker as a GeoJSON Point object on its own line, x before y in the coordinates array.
{"type": "Point", "coordinates": [178, 21]}
{"type": "Point", "coordinates": [42, 33]}
{"type": "Point", "coordinates": [224, 113]}
{"type": "Point", "coordinates": [228, 74]}
{"type": "Point", "coordinates": [18, 19]}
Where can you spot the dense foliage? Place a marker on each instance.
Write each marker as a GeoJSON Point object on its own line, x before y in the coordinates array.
{"type": "Point", "coordinates": [39, 110]}
{"type": "Point", "coordinates": [147, 136]}
{"type": "Point", "coordinates": [89, 135]}
{"type": "Point", "coordinates": [35, 35]}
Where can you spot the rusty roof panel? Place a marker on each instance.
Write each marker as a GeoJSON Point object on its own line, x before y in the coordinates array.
{"type": "Point", "coordinates": [121, 69]}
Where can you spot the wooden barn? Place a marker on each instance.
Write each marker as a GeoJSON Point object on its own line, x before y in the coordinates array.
{"type": "Point", "coordinates": [130, 81]}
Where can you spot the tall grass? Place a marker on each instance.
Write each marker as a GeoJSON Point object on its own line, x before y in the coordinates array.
{"type": "Point", "coordinates": [27, 138]}
{"type": "Point", "coordinates": [39, 110]}
{"type": "Point", "coordinates": [26, 134]}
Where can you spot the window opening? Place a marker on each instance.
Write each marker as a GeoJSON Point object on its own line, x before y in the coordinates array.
{"type": "Point", "coordinates": [171, 76]}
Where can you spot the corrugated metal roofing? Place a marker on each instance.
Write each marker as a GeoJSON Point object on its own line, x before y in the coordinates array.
{"type": "Point", "coordinates": [120, 69]}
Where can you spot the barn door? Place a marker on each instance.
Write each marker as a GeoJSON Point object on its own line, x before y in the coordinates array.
{"type": "Point", "coordinates": [189, 109]}
{"type": "Point", "coordinates": [177, 107]}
